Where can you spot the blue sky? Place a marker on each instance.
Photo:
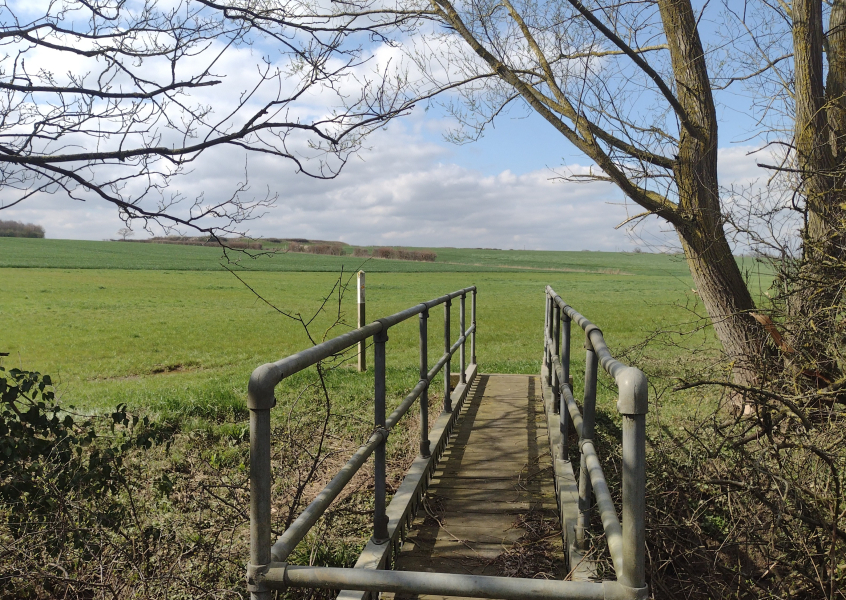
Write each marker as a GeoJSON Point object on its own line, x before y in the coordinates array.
{"type": "Point", "coordinates": [411, 187]}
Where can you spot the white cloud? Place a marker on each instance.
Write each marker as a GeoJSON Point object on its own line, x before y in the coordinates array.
{"type": "Point", "coordinates": [403, 191]}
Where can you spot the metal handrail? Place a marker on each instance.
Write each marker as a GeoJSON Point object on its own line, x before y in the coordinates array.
{"type": "Point", "coordinates": [268, 570]}
{"type": "Point", "coordinates": [626, 542]}
{"type": "Point", "coordinates": [261, 400]}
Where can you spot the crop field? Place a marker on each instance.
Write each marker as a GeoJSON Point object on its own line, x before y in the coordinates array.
{"type": "Point", "coordinates": [166, 328]}
{"type": "Point", "coordinates": [72, 254]}
{"type": "Point", "coordinates": [172, 333]}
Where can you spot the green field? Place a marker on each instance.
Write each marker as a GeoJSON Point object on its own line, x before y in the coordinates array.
{"type": "Point", "coordinates": [72, 254]}
{"type": "Point", "coordinates": [165, 328]}
{"type": "Point", "coordinates": [172, 334]}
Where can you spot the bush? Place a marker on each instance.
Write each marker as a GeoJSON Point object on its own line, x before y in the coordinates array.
{"type": "Point", "coordinates": [63, 488]}
{"type": "Point", "coordinates": [327, 249]}
{"type": "Point", "coordinates": [361, 252]}
{"type": "Point", "coordinates": [237, 244]}
{"type": "Point", "coordinates": [118, 507]}
{"type": "Point", "coordinates": [399, 254]}
{"type": "Point", "coordinates": [18, 229]}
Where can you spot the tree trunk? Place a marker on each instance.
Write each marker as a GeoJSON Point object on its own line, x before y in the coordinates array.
{"type": "Point", "coordinates": [726, 297]}
{"type": "Point", "coordinates": [715, 272]}
{"type": "Point", "coordinates": [835, 85]}
{"type": "Point", "coordinates": [819, 129]}
{"type": "Point", "coordinates": [812, 133]}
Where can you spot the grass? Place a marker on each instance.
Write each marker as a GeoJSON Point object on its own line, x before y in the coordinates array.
{"type": "Point", "coordinates": [180, 344]}
{"type": "Point", "coordinates": [170, 333]}
{"type": "Point", "coordinates": [167, 331]}
{"type": "Point", "coordinates": [181, 340]}
{"type": "Point", "coordinates": [73, 254]}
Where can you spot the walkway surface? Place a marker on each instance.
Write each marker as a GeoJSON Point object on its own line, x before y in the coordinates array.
{"type": "Point", "coordinates": [490, 508]}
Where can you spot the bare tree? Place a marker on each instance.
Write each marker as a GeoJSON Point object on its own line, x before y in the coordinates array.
{"type": "Point", "coordinates": [111, 99]}
{"type": "Point", "coordinates": [632, 85]}
{"type": "Point", "coordinates": [628, 85]}
{"type": "Point", "coordinates": [792, 60]}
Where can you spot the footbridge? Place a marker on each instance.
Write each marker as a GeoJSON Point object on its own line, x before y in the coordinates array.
{"type": "Point", "coordinates": [508, 456]}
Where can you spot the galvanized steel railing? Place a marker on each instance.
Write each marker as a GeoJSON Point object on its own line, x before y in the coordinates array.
{"type": "Point", "coordinates": [626, 542]}
{"type": "Point", "coordinates": [268, 569]}
{"type": "Point", "coordinates": [266, 560]}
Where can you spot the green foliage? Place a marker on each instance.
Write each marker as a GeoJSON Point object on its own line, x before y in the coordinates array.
{"type": "Point", "coordinates": [50, 456]}
{"type": "Point", "coordinates": [95, 505]}
{"type": "Point", "coordinates": [46, 454]}
{"type": "Point", "coordinates": [16, 229]}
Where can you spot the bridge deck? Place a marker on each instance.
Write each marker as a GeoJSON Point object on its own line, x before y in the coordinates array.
{"type": "Point", "coordinates": [490, 507]}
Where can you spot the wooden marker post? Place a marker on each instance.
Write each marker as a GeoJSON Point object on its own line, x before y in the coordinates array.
{"type": "Point", "coordinates": [362, 345]}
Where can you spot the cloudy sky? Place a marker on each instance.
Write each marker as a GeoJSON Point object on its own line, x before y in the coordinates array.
{"type": "Point", "coordinates": [410, 187]}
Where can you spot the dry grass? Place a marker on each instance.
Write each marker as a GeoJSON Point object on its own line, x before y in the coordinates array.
{"type": "Point", "coordinates": [537, 554]}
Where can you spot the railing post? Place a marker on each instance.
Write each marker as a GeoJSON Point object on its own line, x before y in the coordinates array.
{"type": "Point", "coordinates": [362, 345]}
{"type": "Point", "coordinates": [380, 520]}
{"type": "Point", "coordinates": [545, 321]}
{"type": "Point", "coordinates": [565, 347]}
{"type": "Point", "coordinates": [448, 365]}
{"type": "Point", "coordinates": [547, 356]}
{"type": "Point", "coordinates": [565, 364]}
{"type": "Point", "coordinates": [473, 335]}
{"type": "Point", "coordinates": [462, 364]}
{"type": "Point", "coordinates": [556, 345]}
{"type": "Point", "coordinates": [260, 529]}
{"type": "Point", "coordinates": [589, 402]}
{"type": "Point", "coordinates": [425, 447]}
{"type": "Point", "coordinates": [588, 411]}
{"type": "Point", "coordinates": [633, 405]}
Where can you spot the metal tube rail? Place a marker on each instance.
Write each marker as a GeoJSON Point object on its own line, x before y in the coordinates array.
{"type": "Point", "coordinates": [266, 374]}
{"type": "Point", "coordinates": [626, 542]}
{"type": "Point", "coordinates": [473, 337]}
{"type": "Point", "coordinates": [260, 472]}
{"type": "Point", "coordinates": [556, 345]}
{"type": "Point", "coordinates": [399, 412]}
{"type": "Point", "coordinates": [266, 377]}
{"type": "Point", "coordinates": [299, 528]}
{"type": "Point", "coordinates": [424, 379]}
{"type": "Point", "coordinates": [611, 365]}
{"type": "Point", "coordinates": [610, 522]}
{"type": "Point", "coordinates": [570, 402]}
{"type": "Point", "coordinates": [588, 418]}
{"type": "Point", "coordinates": [447, 355]}
{"type": "Point", "coordinates": [462, 361]}
{"type": "Point", "coordinates": [634, 499]}
{"type": "Point", "coordinates": [550, 326]}
{"type": "Point", "coordinates": [443, 584]}
{"type": "Point", "coordinates": [380, 520]}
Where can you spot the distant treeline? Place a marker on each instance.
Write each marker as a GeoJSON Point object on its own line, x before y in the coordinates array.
{"type": "Point", "coordinates": [18, 229]}
{"type": "Point", "coordinates": [237, 243]}
{"type": "Point", "coordinates": [338, 249]}
{"type": "Point", "coordinates": [297, 245]}
{"type": "Point", "coordinates": [302, 241]}
{"type": "Point", "coordinates": [329, 249]}
{"type": "Point", "coordinates": [400, 254]}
